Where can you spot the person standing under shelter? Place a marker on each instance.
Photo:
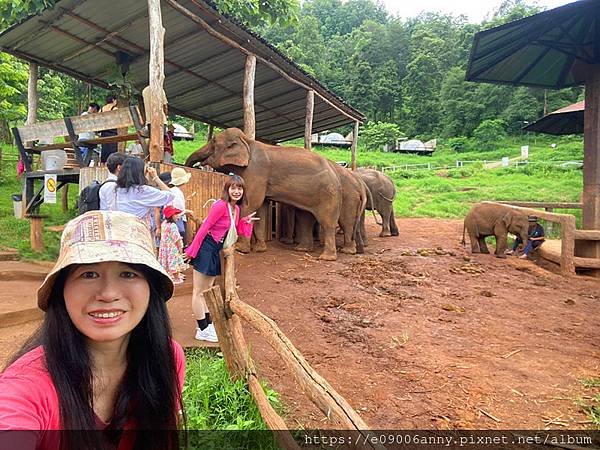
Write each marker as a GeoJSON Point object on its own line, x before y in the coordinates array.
{"type": "Point", "coordinates": [107, 190]}
{"type": "Point", "coordinates": [108, 149]}
{"type": "Point", "coordinates": [168, 157]}
{"type": "Point", "coordinates": [179, 177]}
{"type": "Point", "coordinates": [87, 135]}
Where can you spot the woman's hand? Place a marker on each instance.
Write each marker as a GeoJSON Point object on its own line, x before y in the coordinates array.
{"type": "Point", "coordinates": [151, 171]}
{"type": "Point", "coordinates": [250, 217]}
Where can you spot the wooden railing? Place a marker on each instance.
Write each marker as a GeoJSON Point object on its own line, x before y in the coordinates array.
{"type": "Point", "coordinates": [227, 309]}
{"type": "Point", "coordinates": [547, 206]}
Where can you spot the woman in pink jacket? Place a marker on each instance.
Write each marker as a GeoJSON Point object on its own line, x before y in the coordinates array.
{"type": "Point", "coordinates": [217, 229]}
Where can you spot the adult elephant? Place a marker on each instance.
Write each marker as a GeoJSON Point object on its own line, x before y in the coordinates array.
{"type": "Point", "coordinates": [383, 193]}
{"type": "Point", "coordinates": [494, 219]}
{"type": "Point", "coordinates": [291, 175]}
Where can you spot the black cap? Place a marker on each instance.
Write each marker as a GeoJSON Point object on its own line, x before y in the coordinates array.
{"type": "Point", "coordinates": [532, 218]}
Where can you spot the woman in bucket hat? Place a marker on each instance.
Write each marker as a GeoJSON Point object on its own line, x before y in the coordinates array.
{"type": "Point", "coordinates": [220, 228]}
{"type": "Point", "coordinates": [103, 360]}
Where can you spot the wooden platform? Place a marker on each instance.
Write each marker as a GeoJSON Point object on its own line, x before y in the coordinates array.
{"type": "Point", "coordinates": [551, 250]}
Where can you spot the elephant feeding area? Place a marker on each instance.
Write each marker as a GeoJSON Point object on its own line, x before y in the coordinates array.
{"type": "Point", "coordinates": [416, 333]}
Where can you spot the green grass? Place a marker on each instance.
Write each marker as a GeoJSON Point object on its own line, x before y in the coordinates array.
{"type": "Point", "coordinates": [592, 406]}
{"type": "Point", "coordinates": [213, 402]}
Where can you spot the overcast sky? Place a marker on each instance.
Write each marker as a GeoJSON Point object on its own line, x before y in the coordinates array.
{"type": "Point", "coordinates": [475, 10]}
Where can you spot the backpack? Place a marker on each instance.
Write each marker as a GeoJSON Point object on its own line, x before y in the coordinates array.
{"type": "Point", "coordinates": [89, 199]}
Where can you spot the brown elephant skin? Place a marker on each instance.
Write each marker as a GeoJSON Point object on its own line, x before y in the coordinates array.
{"type": "Point", "coordinates": [383, 193]}
{"type": "Point", "coordinates": [291, 175]}
{"type": "Point", "coordinates": [493, 219]}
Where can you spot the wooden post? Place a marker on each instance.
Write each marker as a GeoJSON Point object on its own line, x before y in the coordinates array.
{"type": "Point", "coordinates": [354, 142]}
{"type": "Point", "coordinates": [35, 233]}
{"type": "Point", "coordinates": [567, 242]}
{"type": "Point", "coordinates": [310, 106]}
{"type": "Point", "coordinates": [64, 196]}
{"type": "Point", "coordinates": [32, 96]}
{"type": "Point", "coordinates": [157, 77]}
{"type": "Point", "coordinates": [591, 163]}
{"type": "Point", "coordinates": [211, 130]}
{"type": "Point", "coordinates": [249, 118]}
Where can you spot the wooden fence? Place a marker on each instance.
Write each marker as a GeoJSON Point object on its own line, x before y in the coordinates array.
{"type": "Point", "coordinates": [227, 309]}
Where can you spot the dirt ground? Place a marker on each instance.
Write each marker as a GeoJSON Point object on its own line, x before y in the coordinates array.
{"type": "Point", "coordinates": [418, 334]}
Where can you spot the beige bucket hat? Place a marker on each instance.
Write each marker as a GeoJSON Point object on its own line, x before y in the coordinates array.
{"type": "Point", "coordinates": [99, 236]}
{"type": "Point", "coordinates": [179, 176]}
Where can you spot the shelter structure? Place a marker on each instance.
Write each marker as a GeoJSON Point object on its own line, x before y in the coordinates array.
{"type": "Point", "coordinates": [567, 120]}
{"type": "Point", "coordinates": [554, 49]}
{"type": "Point", "coordinates": [212, 68]}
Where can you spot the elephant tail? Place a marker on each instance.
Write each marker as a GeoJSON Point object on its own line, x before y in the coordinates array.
{"type": "Point", "coordinates": [370, 196]}
{"type": "Point", "coordinates": [463, 241]}
{"type": "Point", "coordinates": [385, 198]}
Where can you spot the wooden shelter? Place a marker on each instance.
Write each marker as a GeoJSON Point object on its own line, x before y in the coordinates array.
{"type": "Point", "coordinates": [212, 68]}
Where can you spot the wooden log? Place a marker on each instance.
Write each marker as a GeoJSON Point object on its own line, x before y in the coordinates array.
{"type": "Point", "coordinates": [586, 263]}
{"type": "Point", "coordinates": [310, 106]}
{"type": "Point", "coordinates": [35, 233]}
{"type": "Point", "coordinates": [249, 116]}
{"type": "Point", "coordinates": [354, 144]}
{"type": "Point", "coordinates": [567, 251]}
{"type": "Point", "coordinates": [587, 235]}
{"type": "Point", "coordinates": [157, 77]}
{"type": "Point", "coordinates": [317, 388]}
{"type": "Point", "coordinates": [64, 197]}
{"type": "Point", "coordinates": [553, 205]}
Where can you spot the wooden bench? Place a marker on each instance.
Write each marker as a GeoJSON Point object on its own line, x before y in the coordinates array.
{"type": "Point", "coordinates": [70, 128]}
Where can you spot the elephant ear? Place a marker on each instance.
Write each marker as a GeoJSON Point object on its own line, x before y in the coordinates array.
{"type": "Point", "coordinates": [507, 219]}
{"type": "Point", "coordinates": [236, 152]}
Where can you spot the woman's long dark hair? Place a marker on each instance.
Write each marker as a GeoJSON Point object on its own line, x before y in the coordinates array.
{"type": "Point", "coordinates": [149, 396]}
{"type": "Point", "coordinates": [132, 173]}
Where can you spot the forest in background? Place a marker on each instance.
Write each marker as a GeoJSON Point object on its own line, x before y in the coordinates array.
{"type": "Point", "coordinates": [406, 76]}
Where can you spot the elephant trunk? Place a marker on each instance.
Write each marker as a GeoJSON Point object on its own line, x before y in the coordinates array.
{"type": "Point", "coordinates": [200, 155]}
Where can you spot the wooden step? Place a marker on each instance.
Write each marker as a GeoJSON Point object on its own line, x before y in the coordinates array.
{"type": "Point", "coordinates": [9, 255]}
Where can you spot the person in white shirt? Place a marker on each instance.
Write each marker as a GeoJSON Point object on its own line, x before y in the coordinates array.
{"type": "Point", "coordinates": [107, 190]}
{"type": "Point", "coordinates": [179, 177]}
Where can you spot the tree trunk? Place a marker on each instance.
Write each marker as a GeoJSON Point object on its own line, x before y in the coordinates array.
{"type": "Point", "coordinates": [32, 94]}
{"type": "Point", "coordinates": [157, 77]}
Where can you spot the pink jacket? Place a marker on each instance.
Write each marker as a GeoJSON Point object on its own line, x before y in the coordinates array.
{"type": "Point", "coordinates": [217, 223]}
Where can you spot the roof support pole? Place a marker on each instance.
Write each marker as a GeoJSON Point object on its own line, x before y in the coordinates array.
{"type": "Point", "coordinates": [591, 164]}
{"type": "Point", "coordinates": [211, 130]}
{"type": "Point", "coordinates": [157, 78]}
{"type": "Point", "coordinates": [354, 142]}
{"type": "Point", "coordinates": [249, 117]}
{"type": "Point", "coordinates": [310, 107]}
{"type": "Point", "coordinates": [32, 95]}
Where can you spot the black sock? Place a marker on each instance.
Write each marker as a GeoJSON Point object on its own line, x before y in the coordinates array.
{"type": "Point", "coordinates": [202, 324]}
{"type": "Point", "coordinates": [207, 317]}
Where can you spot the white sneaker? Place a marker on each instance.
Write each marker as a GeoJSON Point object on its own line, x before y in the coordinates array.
{"type": "Point", "coordinates": [213, 332]}
{"type": "Point", "coordinates": [206, 335]}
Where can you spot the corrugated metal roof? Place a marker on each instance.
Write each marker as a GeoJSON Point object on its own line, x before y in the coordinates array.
{"type": "Point", "coordinates": [203, 75]}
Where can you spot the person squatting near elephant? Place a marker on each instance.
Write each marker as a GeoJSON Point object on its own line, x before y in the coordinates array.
{"type": "Point", "coordinates": [535, 236]}
{"type": "Point", "coordinates": [170, 252]}
{"type": "Point", "coordinates": [219, 230]}
{"type": "Point", "coordinates": [494, 219]}
{"type": "Point", "coordinates": [103, 365]}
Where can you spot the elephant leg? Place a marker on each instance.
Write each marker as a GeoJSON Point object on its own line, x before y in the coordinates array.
{"type": "Point", "coordinates": [482, 245]}
{"type": "Point", "coordinates": [474, 238]}
{"type": "Point", "coordinates": [501, 245]}
{"type": "Point", "coordinates": [260, 228]}
{"type": "Point", "coordinates": [347, 223]}
{"type": "Point", "coordinates": [288, 214]}
{"type": "Point", "coordinates": [393, 226]}
{"type": "Point", "coordinates": [304, 231]}
{"type": "Point", "coordinates": [243, 244]}
{"type": "Point", "coordinates": [385, 212]}
{"type": "Point", "coordinates": [363, 230]}
{"type": "Point", "coordinates": [328, 221]}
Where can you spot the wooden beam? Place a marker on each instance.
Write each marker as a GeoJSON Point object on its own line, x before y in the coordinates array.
{"type": "Point", "coordinates": [591, 162]}
{"type": "Point", "coordinates": [249, 116]}
{"type": "Point", "coordinates": [354, 143]}
{"type": "Point", "coordinates": [588, 235]}
{"type": "Point", "coordinates": [157, 78]}
{"type": "Point", "coordinates": [310, 106]}
{"type": "Point", "coordinates": [211, 130]}
{"type": "Point", "coordinates": [232, 43]}
{"type": "Point", "coordinates": [32, 94]}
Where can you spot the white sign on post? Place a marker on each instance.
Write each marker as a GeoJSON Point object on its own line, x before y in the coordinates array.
{"type": "Point", "coordinates": [50, 182]}
{"type": "Point", "coordinates": [505, 161]}
{"type": "Point", "coordinates": [524, 151]}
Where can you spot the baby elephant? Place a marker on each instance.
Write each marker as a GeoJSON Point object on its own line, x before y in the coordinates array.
{"type": "Point", "coordinates": [494, 219]}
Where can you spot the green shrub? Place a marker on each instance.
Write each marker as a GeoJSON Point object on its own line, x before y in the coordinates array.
{"type": "Point", "coordinates": [489, 133]}
{"type": "Point", "coordinates": [458, 144]}
{"type": "Point", "coordinates": [377, 134]}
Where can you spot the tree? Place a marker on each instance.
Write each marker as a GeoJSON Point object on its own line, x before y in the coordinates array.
{"type": "Point", "coordinates": [13, 93]}
{"type": "Point", "coordinates": [489, 133]}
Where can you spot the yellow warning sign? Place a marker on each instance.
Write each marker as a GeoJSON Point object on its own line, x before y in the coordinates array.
{"type": "Point", "coordinates": [50, 188]}
{"type": "Point", "coordinates": [51, 185]}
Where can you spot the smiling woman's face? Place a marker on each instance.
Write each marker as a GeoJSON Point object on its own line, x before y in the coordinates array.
{"type": "Point", "coordinates": [106, 300]}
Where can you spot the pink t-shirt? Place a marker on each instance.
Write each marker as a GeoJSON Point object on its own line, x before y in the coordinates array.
{"type": "Point", "coordinates": [28, 401]}
{"type": "Point", "coordinates": [217, 223]}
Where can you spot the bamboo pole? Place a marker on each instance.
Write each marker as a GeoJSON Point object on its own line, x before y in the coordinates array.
{"type": "Point", "coordinates": [354, 143]}
{"type": "Point", "coordinates": [157, 77]}
{"type": "Point", "coordinates": [310, 106]}
{"type": "Point", "coordinates": [249, 116]}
